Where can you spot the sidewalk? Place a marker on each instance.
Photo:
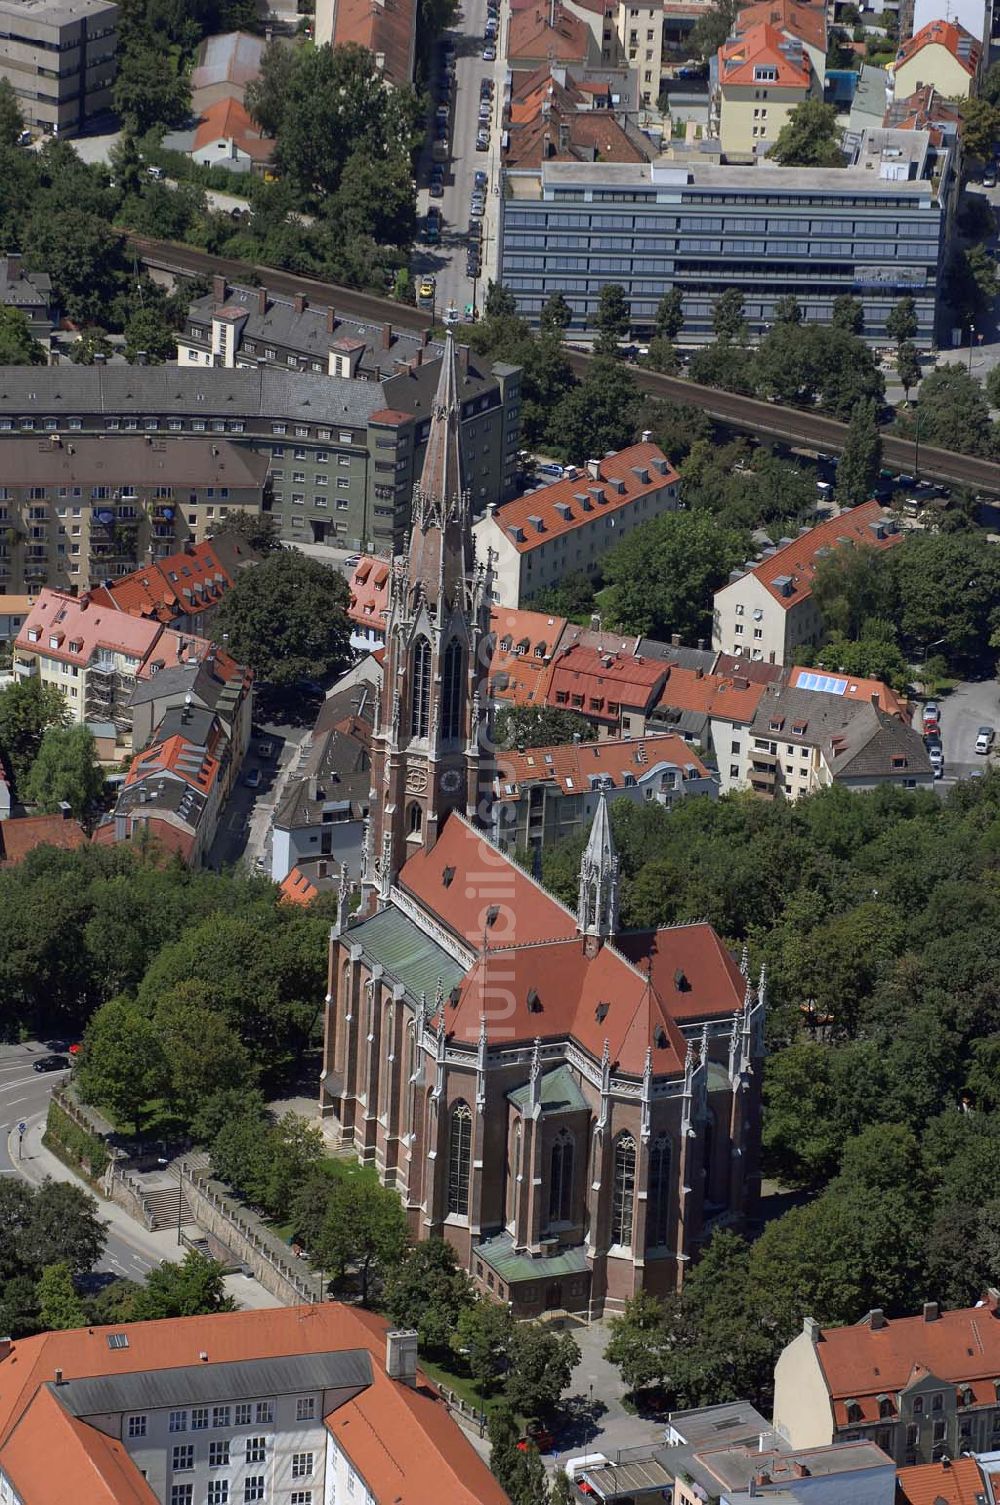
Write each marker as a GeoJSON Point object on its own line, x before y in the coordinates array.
{"type": "Point", "coordinates": [36, 1163]}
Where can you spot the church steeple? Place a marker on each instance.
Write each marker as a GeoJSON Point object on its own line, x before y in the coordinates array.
{"type": "Point", "coordinates": [426, 757]}
{"type": "Point", "coordinates": [598, 908]}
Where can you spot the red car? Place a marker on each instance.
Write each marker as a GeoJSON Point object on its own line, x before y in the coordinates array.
{"type": "Point", "coordinates": [536, 1435]}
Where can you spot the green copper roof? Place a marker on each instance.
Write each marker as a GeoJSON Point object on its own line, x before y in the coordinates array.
{"type": "Point", "coordinates": [409, 956]}
{"type": "Point", "coordinates": [560, 1093]}
{"type": "Point", "coordinates": [499, 1254]}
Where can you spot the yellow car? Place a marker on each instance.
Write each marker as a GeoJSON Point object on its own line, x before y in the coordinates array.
{"type": "Point", "coordinates": [426, 289]}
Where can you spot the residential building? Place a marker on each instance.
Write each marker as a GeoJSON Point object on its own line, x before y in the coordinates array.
{"type": "Point", "coordinates": [806, 738]}
{"type": "Point", "coordinates": [569, 526]}
{"type": "Point", "coordinates": [953, 1481]}
{"type": "Point", "coordinates": [553, 117]}
{"type": "Point", "coordinates": [59, 56]}
{"type": "Point", "coordinates": [482, 1023]}
{"type": "Point", "coordinates": [767, 609]}
{"type": "Point", "coordinates": [30, 293]}
{"type": "Point", "coordinates": [922, 1388]}
{"type": "Point", "coordinates": [973, 16]}
{"type": "Point", "coordinates": [296, 1406]}
{"type": "Point", "coordinates": [850, 687]}
{"type": "Point", "coordinates": [924, 110]}
{"type": "Point", "coordinates": [545, 794]}
{"type": "Point", "coordinates": [13, 610]}
{"type": "Point", "coordinates": [758, 78]}
{"type": "Point", "coordinates": [319, 821]}
{"type": "Point", "coordinates": [712, 710]}
{"type": "Point", "coordinates": [343, 454]}
{"type": "Point", "coordinates": [207, 679]}
{"type": "Point", "coordinates": [226, 136]}
{"type": "Point", "coordinates": [640, 35]}
{"type": "Point", "coordinates": [223, 66]}
{"type": "Point", "coordinates": [616, 690]}
{"type": "Point", "coordinates": [524, 644]}
{"type": "Point", "coordinates": [875, 228]}
{"type": "Point", "coordinates": [181, 590]}
{"type": "Point", "coordinates": [541, 35]}
{"type": "Point", "coordinates": [942, 54]}
{"type": "Point", "coordinates": [385, 28]}
{"type": "Point", "coordinates": [800, 20]}
{"type": "Point", "coordinates": [175, 787]}
{"type": "Point", "coordinates": [80, 511]}
{"type": "Point", "coordinates": [369, 587]}
{"type": "Point", "coordinates": [22, 834]}
{"type": "Point", "coordinates": [712, 1453]}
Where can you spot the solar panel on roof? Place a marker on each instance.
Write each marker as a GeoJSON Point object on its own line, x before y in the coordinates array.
{"type": "Point", "coordinates": [825, 682]}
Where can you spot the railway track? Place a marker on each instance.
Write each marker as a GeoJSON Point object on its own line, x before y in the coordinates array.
{"type": "Point", "coordinates": [791, 425]}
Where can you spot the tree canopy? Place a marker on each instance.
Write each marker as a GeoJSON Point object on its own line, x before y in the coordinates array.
{"type": "Point", "coordinates": [809, 138]}
{"type": "Point", "coordinates": [662, 576]}
{"type": "Point", "coordinates": [287, 618]}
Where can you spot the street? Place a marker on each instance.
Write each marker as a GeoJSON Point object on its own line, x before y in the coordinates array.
{"type": "Point", "coordinates": [24, 1098]}
{"type": "Point", "coordinates": [963, 712]}
{"type": "Point", "coordinates": [244, 831]}
{"type": "Point", "coordinates": [447, 259]}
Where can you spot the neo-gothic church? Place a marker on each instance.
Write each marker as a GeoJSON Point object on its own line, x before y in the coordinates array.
{"type": "Point", "coordinates": [571, 1106]}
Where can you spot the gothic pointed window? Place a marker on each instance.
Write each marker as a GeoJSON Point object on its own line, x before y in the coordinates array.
{"type": "Point", "coordinates": [561, 1179]}
{"type": "Point", "coordinates": [414, 819]}
{"type": "Point", "coordinates": [659, 1193]}
{"type": "Point", "coordinates": [709, 1152]}
{"type": "Point", "coordinates": [452, 691]}
{"type": "Point", "coordinates": [420, 691]}
{"type": "Point", "coordinates": [513, 1171]}
{"type": "Point", "coordinates": [623, 1199]}
{"type": "Point", "coordinates": [459, 1159]}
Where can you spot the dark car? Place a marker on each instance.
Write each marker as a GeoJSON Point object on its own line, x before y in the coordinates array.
{"type": "Point", "coordinates": [57, 1047]}
{"type": "Point", "coordinates": [473, 269]}
{"type": "Point", "coordinates": [436, 189]}
{"type": "Point", "coordinates": [475, 229]}
{"type": "Point", "coordinates": [481, 178]}
{"type": "Point", "coordinates": [52, 1063]}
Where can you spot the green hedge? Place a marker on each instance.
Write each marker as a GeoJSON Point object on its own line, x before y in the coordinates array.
{"type": "Point", "coordinates": [86, 1149]}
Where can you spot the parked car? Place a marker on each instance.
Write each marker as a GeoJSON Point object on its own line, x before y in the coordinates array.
{"type": "Point", "coordinates": [984, 739]}
{"type": "Point", "coordinates": [352, 561]}
{"type": "Point", "coordinates": [931, 711]}
{"type": "Point", "coordinates": [253, 779]}
{"type": "Point", "coordinates": [486, 88]}
{"type": "Point", "coordinates": [486, 112]}
{"type": "Point", "coordinates": [436, 189]}
{"type": "Point", "coordinates": [477, 208]}
{"type": "Point", "coordinates": [481, 179]}
{"type": "Point", "coordinates": [539, 1435]}
{"type": "Point", "coordinates": [483, 141]}
{"type": "Point", "coordinates": [550, 468]}
{"type": "Point", "coordinates": [52, 1063]}
{"type": "Point", "coordinates": [426, 288]}
{"type": "Point", "coordinates": [489, 53]}
{"type": "Point", "coordinates": [473, 267]}
{"type": "Point", "coordinates": [475, 230]}
{"type": "Point", "coordinates": [451, 315]}
{"type": "Point", "coordinates": [936, 754]}
{"type": "Point", "coordinates": [156, 173]}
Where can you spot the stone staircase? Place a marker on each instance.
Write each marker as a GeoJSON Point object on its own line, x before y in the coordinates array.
{"type": "Point", "coordinates": [168, 1206]}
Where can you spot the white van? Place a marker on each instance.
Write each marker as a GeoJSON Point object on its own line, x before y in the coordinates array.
{"type": "Point", "coordinates": [576, 1466]}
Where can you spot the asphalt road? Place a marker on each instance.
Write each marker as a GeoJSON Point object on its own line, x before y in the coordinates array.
{"type": "Point", "coordinates": [24, 1095]}
{"type": "Point", "coordinates": [963, 712]}
{"type": "Point", "coordinates": [244, 831]}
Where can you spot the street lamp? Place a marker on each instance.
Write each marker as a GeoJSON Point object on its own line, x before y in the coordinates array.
{"type": "Point", "coordinates": [972, 331]}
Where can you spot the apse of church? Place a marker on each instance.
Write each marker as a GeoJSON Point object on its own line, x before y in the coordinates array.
{"type": "Point", "coordinates": [572, 1107]}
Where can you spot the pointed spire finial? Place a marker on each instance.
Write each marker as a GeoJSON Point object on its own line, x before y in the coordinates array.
{"type": "Point", "coordinates": [598, 907]}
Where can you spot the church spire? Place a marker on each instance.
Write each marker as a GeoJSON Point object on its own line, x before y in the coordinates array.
{"type": "Point", "coordinates": [598, 909]}
{"type": "Point", "coordinates": [441, 554]}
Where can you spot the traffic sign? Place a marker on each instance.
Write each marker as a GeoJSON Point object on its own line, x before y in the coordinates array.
{"type": "Point", "coordinates": [21, 1126]}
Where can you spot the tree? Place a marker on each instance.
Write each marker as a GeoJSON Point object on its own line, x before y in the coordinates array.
{"type": "Point", "coordinates": [267, 95]}
{"type": "Point", "coordinates": [809, 138]}
{"type": "Point", "coordinates": [728, 321]}
{"type": "Point", "coordinates": [787, 310]}
{"type": "Point", "coordinates": [59, 1307]}
{"type": "Point", "coordinates": [872, 656]}
{"type": "Point", "coordinates": [556, 314]}
{"type": "Point", "coordinates": [257, 529]}
{"type": "Point", "coordinates": [612, 319]}
{"type": "Point", "coordinates": [713, 27]}
{"type": "Point", "coordinates": [572, 596]}
{"type": "Point", "coordinates": [62, 1227]}
{"type": "Point", "coordinates": [429, 1291]}
{"type": "Point", "coordinates": [948, 587]}
{"type": "Point", "coordinates": [670, 314]}
{"type": "Point", "coordinates": [980, 127]}
{"type": "Point", "coordinates": [637, 1343]}
{"type": "Point", "coordinates": [725, 364]}
{"type": "Point", "coordinates": [122, 1065]}
{"type": "Point", "coordinates": [375, 197]}
{"type": "Point", "coordinates": [193, 1288]}
{"type": "Point", "coordinates": [27, 710]}
{"type": "Point", "coordinates": [861, 459]}
{"type": "Point", "coordinates": [598, 414]}
{"type": "Point", "coordinates": [148, 333]}
{"type": "Point", "coordinates": [908, 367]}
{"type": "Point", "coordinates": [242, 1155]}
{"type": "Point", "coordinates": [287, 618]}
{"type": "Point", "coordinates": [483, 1334]}
{"type": "Point", "coordinates": [954, 413]}
{"type": "Point", "coordinates": [201, 1051]}
{"type": "Point", "coordinates": [364, 1230]}
{"type": "Point", "coordinates": [848, 314]}
{"type": "Point", "coordinates": [851, 585]}
{"type": "Point", "coordinates": [149, 91]}
{"type": "Point", "coordinates": [660, 356]}
{"type": "Point", "coordinates": [541, 1364]}
{"type": "Point", "coordinates": [65, 771]}
{"type": "Point", "coordinates": [11, 119]}
{"type": "Point", "coordinates": [539, 726]}
{"type": "Point", "coordinates": [902, 324]}
{"type": "Point", "coordinates": [503, 1435]}
{"type": "Point", "coordinates": [18, 346]}
{"type": "Point", "coordinates": [499, 302]}
{"type": "Point", "coordinates": [663, 575]}
{"type": "Point", "coordinates": [90, 343]}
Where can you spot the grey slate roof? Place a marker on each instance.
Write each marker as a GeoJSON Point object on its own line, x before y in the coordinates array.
{"type": "Point", "coordinates": [871, 737]}
{"type": "Point", "coordinates": [162, 794]}
{"type": "Point", "coordinates": [336, 772]}
{"type": "Point", "coordinates": [683, 657]}
{"type": "Point", "coordinates": [347, 1371]}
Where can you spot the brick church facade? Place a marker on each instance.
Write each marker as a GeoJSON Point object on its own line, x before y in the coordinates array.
{"type": "Point", "coordinates": [571, 1106]}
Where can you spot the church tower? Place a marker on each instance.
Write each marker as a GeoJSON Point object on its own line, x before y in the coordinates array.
{"type": "Point", "coordinates": [430, 752]}
{"type": "Point", "coordinates": [598, 907]}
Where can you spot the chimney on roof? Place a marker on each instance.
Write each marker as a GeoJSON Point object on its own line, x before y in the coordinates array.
{"type": "Point", "coordinates": [418, 359]}
{"type": "Point", "coordinates": [100, 359]}
{"type": "Point", "coordinates": [262, 301]}
{"type": "Point", "coordinates": [401, 1355]}
{"type": "Point", "coordinates": [84, 601]}
{"type": "Point", "coordinates": [675, 640]}
{"type": "Point", "coordinates": [594, 470]}
{"type": "Point", "coordinates": [203, 1356]}
{"type": "Point", "coordinates": [13, 266]}
{"type": "Point", "coordinates": [59, 1377]}
{"type": "Point", "coordinates": [811, 1328]}
{"type": "Point", "coordinates": [546, 145]}
{"type": "Point", "coordinates": [932, 1311]}
{"type": "Point", "coordinates": [331, 320]}
{"type": "Point", "coordinates": [65, 809]}
{"type": "Point", "coordinates": [386, 336]}
{"type": "Point", "coordinates": [300, 303]}
{"type": "Point", "coordinates": [876, 1319]}
{"type": "Point", "coordinates": [6, 1345]}
{"type": "Point", "coordinates": [563, 135]}
{"type": "Point", "coordinates": [219, 288]}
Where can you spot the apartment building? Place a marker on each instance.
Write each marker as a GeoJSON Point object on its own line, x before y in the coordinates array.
{"type": "Point", "coordinates": [205, 679]}
{"type": "Point", "coordinates": [640, 35]}
{"type": "Point", "coordinates": [13, 610]}
{"type": "Point", "coordinates": [545, 794]}
{"type": "Point", "coordinates": [553, 116]}
{"type": "Point", "coordinates": [30, 293]}
{"type": "Point", "coordinates": [714, 711]}
{"type": "Point", "coordinates": [922, 1388]}
{"type": "Point", "coordinates": [794, 19]}
{"type": "Point", "coordinates": [293, 1406]}
{"type": "Point", "coordinates": [343, 454]}
{"type": "Point", "coordinates": [569, 526]}
{"type": "Point", "coordinates": [616, 690]}
{"type": "Point", "coordinates": [59, 56]}
{"type": "Point", "coordinates": [767, 608]}
{"type": "Point", "coordinates": [181, 590]}
{"type": "Point", "coordinates": [385, 28]}
{"type": "Point", "coordinates": [875, 229]}
{"type": "Point", "coordinates": [77, 511]}
{"type": "Point", "coordinates": [940, 53]}
{"type": "Point", "coordinates": [758, 77]}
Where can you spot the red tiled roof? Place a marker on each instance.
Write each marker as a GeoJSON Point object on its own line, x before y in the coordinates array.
{"type": "Point", "coordinates": [567, 135]}
{"type": "Point", "coordinates": [522, 678]}
{"type": "Point", "coordinates": [860, 689]}
{"type": "Point", "coordinates": [861, 1362]}
{"type": "Point", "coordinates": [602, 678]}
{"type": "Point", "coordinates": [798, 560]}
{"type": "Point", "coordinates": [571, 765]}
{"type": "Point", "coordinates": [729, 697]}
{"type": "Point", "coordinates": [808, 22]}
{"type": "Point", "coordinates": [958, 1482]}
{"type": "Point", "coordinates": [712, 981]}
{"type": "Point", "coordinates": [755, 670]}
{"type": "Point", "coordinates": [22, 834]}
{"type": "Point", "coordinates": [947, 34]}
{"type": "Point", "coordinates": [175, 756]}
{"type": "Point", "coordinates": [296, 888]}
{"type": "Point", "coordinates": [229, 121]}
{"type": "Point", "coordinates": [530, 35]}
{"type": "Point", "coordinates": [762, 45]}
{"type": "Point", "coordinates": [616, 482]}
{"type": "Point", "coordinates": [369, 587]}
{"type": "Point", "coordinates": [171, 839]}
{"type": "Point", "coordinates": [387, 30]}
{"type": "Point", "coordinates": [59, 619]}
{"type": "Point", "coordinates": [185, 582]}
{"type": "Point", "coordinates": [400, 1438]}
